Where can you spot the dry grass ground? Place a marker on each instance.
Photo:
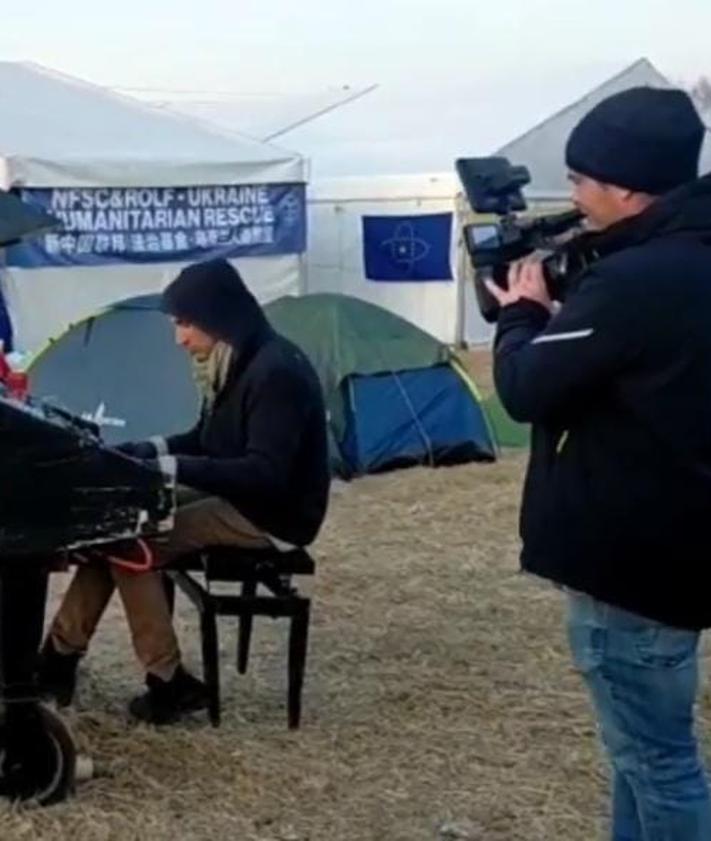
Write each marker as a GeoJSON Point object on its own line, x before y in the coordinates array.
{"type": "Point", "coordinates": [439, 692]}
{"type": "Point", "coordinates": [478, 363]}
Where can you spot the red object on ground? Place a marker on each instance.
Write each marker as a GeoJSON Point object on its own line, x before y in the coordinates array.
{"type": "Point", "coordinates": [16, 382]}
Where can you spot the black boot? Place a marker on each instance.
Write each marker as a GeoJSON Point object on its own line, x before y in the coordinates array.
{"type": "Point", "coordinates": [57, 674]}
{"type": "Point", "coordinates": [167, 700]}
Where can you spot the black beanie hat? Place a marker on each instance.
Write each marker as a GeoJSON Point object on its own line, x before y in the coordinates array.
{"type": "Point", "coordinates": [212, 296]}
{"type": "Point", "coordinates": [644, 139]}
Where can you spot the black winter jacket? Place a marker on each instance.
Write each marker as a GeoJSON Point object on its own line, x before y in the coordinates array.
{"type": "Point", "coordinates": [617, 500]}
{"type": "Point", "coordinates": [263, 446]}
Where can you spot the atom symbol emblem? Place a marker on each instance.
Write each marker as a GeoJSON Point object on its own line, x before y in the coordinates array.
{"type": "Point", "coordinates": [406, 249]}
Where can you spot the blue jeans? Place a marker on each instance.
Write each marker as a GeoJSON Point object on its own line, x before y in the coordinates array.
{"type": "Point", "coordinates": [643, 680]}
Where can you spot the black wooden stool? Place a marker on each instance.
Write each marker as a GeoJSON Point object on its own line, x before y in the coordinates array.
{"type": "Point", "coordinates": [271, 569]}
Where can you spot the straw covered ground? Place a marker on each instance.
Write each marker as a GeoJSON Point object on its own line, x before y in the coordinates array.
{"type": "Point", "coordinates": [439, 705]}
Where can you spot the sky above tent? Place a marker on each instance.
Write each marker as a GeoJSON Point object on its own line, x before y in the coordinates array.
{"type": "Point", "coordinates": [454, 77]}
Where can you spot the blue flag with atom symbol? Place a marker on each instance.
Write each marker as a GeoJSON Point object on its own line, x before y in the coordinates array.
{"type": "Point", "coordinates": [407, 248]}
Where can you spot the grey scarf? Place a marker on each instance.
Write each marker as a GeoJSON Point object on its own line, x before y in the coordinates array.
{"type": "Point", "coordinates": [210, 372]}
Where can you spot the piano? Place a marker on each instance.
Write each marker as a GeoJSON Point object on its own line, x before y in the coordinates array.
{"type": "Point", "coordinates": [61, 489]}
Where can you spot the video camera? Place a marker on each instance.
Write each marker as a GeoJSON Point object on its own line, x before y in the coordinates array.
{"type": "Point", "coordinates": [494, 186]}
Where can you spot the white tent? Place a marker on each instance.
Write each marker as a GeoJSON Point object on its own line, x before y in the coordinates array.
{"type": "Point", "coordinates": [542, 148]}
{"type": "Point", "coordinates": [61, 134]}
{"type": "Point", "coordinates": [335, 258]}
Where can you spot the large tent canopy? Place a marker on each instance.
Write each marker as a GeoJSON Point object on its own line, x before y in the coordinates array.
{"type": "Point", "coordinates": [542, 148]}
{"type": "Point", "coordinates": [58, 131]}
{"type": "Point", "coordinates": [65, 143]}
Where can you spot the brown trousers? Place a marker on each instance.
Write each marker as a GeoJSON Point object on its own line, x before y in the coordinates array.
{"type": "Point", "coordinates": [199, 521]}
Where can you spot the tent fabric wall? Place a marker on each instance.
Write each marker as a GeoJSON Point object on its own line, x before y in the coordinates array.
{"type": "Point", "coordinates": [334, 261]}
{"type": "Point", "coordinates": [384, 401]}
{"type": "Point", "coordinates": [424, 416]}
{"type": "Point", "coordinates": [339, 335]}
{"type": "Point", "coordinates": [44, 302]}
{"type": "Point", "coordinates": [124, 364]}
{"type": "Point", "coordinates": [542, 148]}
{"type": "Point", "coordinates": [60, 132]}
{"type": "Point", "coordinates": [508, 432]}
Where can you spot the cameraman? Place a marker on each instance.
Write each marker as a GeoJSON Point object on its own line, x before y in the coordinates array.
{"type": "Point", "coordinates": [617, 501]}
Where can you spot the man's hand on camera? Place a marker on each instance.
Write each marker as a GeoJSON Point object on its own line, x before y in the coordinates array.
{"type": "Point", "coordinates": [525, 280]}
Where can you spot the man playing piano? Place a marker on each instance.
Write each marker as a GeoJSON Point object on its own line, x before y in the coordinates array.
{"type": "Point", "coordinates": [253, 472]}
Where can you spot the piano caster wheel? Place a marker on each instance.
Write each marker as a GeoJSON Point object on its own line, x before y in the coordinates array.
{"type": "Point", "coordinates": [38, 759]}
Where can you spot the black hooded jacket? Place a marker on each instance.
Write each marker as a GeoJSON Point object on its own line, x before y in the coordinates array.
{"type": "Point", "coordinates": [617, 500]}
{"type": "Point", "coordinates": [263, 445]}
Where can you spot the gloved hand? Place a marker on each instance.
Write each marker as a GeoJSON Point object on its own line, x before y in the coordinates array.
{"type": "Point", "coordinates": [139, 449]}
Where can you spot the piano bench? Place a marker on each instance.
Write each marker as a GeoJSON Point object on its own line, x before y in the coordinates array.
{"type": "Point", "coordinates": [267, 569]}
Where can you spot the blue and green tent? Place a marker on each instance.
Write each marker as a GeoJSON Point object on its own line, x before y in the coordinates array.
{"type": "Point", "coordinates": [395, 395]}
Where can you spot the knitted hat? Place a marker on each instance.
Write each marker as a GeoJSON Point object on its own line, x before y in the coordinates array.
{"type": "Point", "coordinates": [645, 139]}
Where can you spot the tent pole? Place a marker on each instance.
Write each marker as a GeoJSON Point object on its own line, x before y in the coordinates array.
{"type": "Point", "coordinates": [461, 275]}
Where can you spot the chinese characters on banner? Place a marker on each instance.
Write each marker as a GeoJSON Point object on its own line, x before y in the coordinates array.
{"type": "Point", "coordinates": [162, 224]}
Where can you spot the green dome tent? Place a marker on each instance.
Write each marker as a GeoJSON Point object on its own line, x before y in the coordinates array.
{"type": "Point", "coordinates": [395, 395]}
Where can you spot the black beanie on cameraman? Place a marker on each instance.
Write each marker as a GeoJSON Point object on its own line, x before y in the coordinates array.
{"type": "Point", "coordinates": [645, 139]}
